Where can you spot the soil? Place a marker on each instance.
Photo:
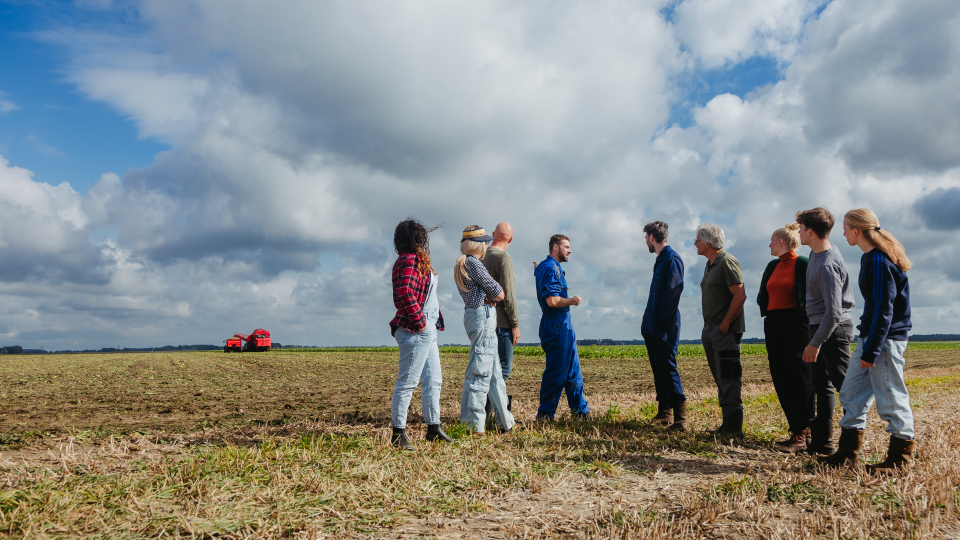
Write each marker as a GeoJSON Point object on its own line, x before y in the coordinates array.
{"type": "Point", "coordinates": [184, 391]}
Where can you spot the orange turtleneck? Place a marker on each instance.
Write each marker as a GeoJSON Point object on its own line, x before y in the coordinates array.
{"type": "Point", "coordinates": [782, 284]}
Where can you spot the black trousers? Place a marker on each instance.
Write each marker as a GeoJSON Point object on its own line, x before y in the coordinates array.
{"type": "Point", "coordinates": [828, 374]}
{"type": "Point", "coordinates": [787, 333]}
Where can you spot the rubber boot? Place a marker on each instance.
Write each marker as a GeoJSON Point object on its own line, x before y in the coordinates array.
{"type": "Point", "coordinates": [848, 449]}
{"type": "Point", "coordinates": [796, 444]}
{"type": "Point", "coordinates": [821, 429]}
{"type": "Point", "coordinates": [899, 457]}
{"type": "Point", "coordinates": [663, 415]}
{"type": "Point", "coordinates": [400, 440]}
{"type": "Point", "coordinates": [435, 432]}
{"type": "Point", "coordinates": [733, 424]}
{"type": "Point", "coordinates": [679, 417]}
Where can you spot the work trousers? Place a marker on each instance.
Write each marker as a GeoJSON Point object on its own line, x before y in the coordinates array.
{"type": "Point", "coordinates": [884, 383]}
{"type": "Point", "coordinates": [662, 351]}
{"type": "Point", "coordinates": [723, 356]}
{"type": "Point", "coordinates": [828, 375]}
{"type": "Point", "coordinates": [787, 334]}
{"type": "Point", "coordinates": [483, 377]}
{"type": "Point", "coordinates": [419, 361]}
{"type": "Point", "coordinates": [562, 371]}
{"type": "Point", "coordinates": [505, 350]}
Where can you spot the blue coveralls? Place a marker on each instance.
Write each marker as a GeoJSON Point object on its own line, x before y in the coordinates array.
{"type": "Point", "coordinates": [559, 343]}
{"type": "Point", "coordinates": [661, 327]}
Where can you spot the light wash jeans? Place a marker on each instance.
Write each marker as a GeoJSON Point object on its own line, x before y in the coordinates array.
{"type": "Point", "coordinates": [883, 382]}
{"type": "Point", "coordinates": [484, 375]}
{"type": "Point", "coordinates": [419, 361]}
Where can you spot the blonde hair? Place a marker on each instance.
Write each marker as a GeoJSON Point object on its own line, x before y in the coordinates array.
{"type": "Point", "coordinates": [467, 247]}
{"type": "Point", "coordinates": [867, 223]}
{"type": "Point", "coordinates": [790, 234]}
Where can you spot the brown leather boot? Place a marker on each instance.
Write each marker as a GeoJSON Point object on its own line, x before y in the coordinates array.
{"type": "Point", "coordinates": [796, 443]}
{"type": "Point", "coordinates": [663, 415]}
{"type": "Point", "coordinates": [899, 457]}
{"type": "Point", "coordinates": [679, 417]}
{"type": "Point", "coordinates": [848, 449]}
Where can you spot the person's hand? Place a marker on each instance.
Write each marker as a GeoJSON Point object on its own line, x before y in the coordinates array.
{"type": "Point", "coordinates": [577, 300]}
{"type": "Point", "coordinates": [865, 365]}
{"type": "Point", "coordinates": [516, 335]}
{"type": "Point", "coordinates": [534, 265]}
{"type": "Point", "coordinates": [724, 327]}
{"type": "Point", "coordinates": [810, 354]}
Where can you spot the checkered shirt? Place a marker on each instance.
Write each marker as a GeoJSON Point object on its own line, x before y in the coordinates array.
{"type": "Point", "coordinates": [479, 285]}
{"type": "Point", "coordinates": [409, 293]}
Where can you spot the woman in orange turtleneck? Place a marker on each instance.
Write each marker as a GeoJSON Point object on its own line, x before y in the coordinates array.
{"type": "Point", "coordinates": [787, 331]}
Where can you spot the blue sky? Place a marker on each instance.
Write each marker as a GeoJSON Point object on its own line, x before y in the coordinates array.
{"type": "Point", "coordinates": [233, 166]}
{"type": "Point", "coordinates": [56, 131]}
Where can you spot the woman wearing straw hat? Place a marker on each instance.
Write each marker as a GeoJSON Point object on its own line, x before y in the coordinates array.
{"type": "Point", "coordinates": [480, 292]}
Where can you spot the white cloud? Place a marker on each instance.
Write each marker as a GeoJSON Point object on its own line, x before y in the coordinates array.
{"type": "Point", "coordinates": [300, 137]}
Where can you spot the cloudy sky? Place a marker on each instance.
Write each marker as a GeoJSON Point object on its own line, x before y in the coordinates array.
{"type": "Point", "coordinates": [174, 171]}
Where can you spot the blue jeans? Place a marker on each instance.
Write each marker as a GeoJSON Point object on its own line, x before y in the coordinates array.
{"type": "Point", "coordinates": [883, 383]}
{"type": "Point", "coordinates": [483, 376]}
{"type": "Point", "coordinates": [505, 348]}
{"type": "Point", "coordinates": [419, 361]}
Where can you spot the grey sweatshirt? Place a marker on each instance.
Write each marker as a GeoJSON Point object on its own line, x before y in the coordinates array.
{"type": "Point", "coordinates": [829, 295]}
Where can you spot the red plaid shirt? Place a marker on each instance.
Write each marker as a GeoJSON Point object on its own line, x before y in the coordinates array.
{"type": "Point", "coordinates": [409, 293]}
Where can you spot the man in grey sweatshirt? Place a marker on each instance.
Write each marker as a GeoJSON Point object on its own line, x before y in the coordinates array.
{"type": "Point", "coordinates": [829, 302]}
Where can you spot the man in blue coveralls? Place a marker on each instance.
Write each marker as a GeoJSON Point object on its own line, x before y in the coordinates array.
{"type": "Point", "coordinates": [661, 327]}
{"type": "Point", "coordinates": [557, 338]}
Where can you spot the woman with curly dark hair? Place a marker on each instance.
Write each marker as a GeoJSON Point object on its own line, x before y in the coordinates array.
{"type": "Point", "coordinates": [415, 328]}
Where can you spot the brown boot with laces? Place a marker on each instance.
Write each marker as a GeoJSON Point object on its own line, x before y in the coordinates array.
{"type": "Point", "coordinates": [796, 443]}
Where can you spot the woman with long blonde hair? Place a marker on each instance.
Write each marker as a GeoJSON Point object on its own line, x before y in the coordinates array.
{"type": "Point", "coordinates": [876, 370]}
{"type": "Point", "coordinates": [782, 299]}
{"type": "Point", "coordinates": [480, 292]}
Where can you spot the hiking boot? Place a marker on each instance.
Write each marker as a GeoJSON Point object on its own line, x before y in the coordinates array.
{"type": "Point", "coordinates": [434, 432]}
{"type": "Point", "coordinates": [400, 440]}
{"type": "Point", "coordinates": [679, 418]}
{"type": "Point", "coordinates": [663, 415]}
{"type": "Point", "coordinates": [796, 444]}
{"type": "Point", "coordinates": [899, 457]}
{"type": "Point", "coordinates": [848, 449]}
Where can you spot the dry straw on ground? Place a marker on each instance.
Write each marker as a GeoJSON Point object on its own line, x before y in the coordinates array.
{"type": "Point", "coordinates": [616, 476]}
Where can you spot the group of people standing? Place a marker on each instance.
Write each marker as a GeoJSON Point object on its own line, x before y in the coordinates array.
{"type": "Point", "coordinates": [805, 302]}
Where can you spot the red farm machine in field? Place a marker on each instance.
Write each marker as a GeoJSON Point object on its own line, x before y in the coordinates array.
{"type": "Point", "coordinates": [258, 341]}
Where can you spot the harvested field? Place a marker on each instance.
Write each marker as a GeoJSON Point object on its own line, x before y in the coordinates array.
{"type": "Point", "coordinates": [295, 445]}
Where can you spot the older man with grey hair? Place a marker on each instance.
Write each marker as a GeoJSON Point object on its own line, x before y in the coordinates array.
{"type": "Point", "coordinates": [722, 301]}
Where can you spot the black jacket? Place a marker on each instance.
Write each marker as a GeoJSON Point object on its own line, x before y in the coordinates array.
{"type": "Point", "coordinates": [800, 272]}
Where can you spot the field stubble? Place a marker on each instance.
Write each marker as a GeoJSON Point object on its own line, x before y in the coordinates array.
{"type": "Point", "coordinates": [202, 444]}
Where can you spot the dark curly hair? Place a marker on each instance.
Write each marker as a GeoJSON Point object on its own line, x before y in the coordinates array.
{"type": "Point", "coordinates": [411, 236]}
{"type": "Point", "coordinates": [657, 229]}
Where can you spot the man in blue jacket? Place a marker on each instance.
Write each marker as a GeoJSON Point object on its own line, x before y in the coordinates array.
{"type": "Point", "coordinates": [557, 337]}
{"type": "Point", "coordinates": [661, 327]}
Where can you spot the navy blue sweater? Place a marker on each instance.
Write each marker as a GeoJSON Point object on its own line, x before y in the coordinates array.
{"type": "Point", "coordinates": [886, 310]}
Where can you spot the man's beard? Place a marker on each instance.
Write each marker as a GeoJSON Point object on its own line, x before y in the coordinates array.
{"type": "Point", "coordinates": [562, 257]}
{"type": "Point", "coordinates": [651, 248]}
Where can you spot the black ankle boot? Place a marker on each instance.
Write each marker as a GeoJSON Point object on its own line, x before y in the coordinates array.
{"type": "Point", "coordinates": [400, 440]}
{"type": "Point", "coordinates": [434, 432]}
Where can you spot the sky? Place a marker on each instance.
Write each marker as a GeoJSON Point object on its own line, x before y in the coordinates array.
{"type": "Point", "coordinates": [174, 171]}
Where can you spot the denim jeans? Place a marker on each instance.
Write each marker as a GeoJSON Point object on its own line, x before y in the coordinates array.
{"type": "Point", "coordinates": [419, 362]}
{"type": "Point", "coordinates": [483, 376]}
{"type": "Point", "coordinates": [884, 383]}
{"type": "Point", "coordinates": [505, 349]}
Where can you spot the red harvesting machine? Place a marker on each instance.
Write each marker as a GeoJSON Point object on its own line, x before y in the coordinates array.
{"type": "Point", "coordinates": [258, 341]}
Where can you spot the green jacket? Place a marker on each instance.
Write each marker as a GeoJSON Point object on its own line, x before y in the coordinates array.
{"type": "Point", "coordinates": [800, 272]}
